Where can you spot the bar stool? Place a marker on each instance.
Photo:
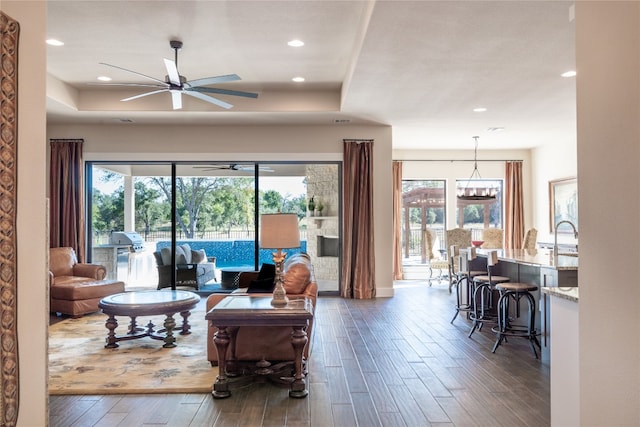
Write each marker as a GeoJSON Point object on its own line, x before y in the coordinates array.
{"type": "Point", "coordinates": [464, 278]}
{"type": "Point", "coordinates": [506, 326]}
{"type": "Point", "coordinates": [483, 287]}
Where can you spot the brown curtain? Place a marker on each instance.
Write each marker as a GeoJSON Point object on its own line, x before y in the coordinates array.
{"type": "Point", "coordinates": [358, 264]}
{"type": "Point", "coordinates": [514, 221]}
{"type": "Point", "coordinates": [397, 220]}
{"type": "Point", "coordinates": [66, 196]}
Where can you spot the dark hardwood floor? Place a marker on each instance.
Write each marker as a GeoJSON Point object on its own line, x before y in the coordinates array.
{"type": "Point", "coordinates": [383, 362]}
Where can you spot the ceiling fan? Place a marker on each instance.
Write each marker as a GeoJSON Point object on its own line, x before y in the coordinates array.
{"type": "Point", "coordinates": [234, 167]}
{"type": "Point", "coordinates": [177, 84]}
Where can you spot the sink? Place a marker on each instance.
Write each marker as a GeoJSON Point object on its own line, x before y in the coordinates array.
{"type": "Point", "coordinates": [574, 254]}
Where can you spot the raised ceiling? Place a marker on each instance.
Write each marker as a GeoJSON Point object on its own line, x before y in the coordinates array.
{"type": "Point", "coordinates": [418, 66]}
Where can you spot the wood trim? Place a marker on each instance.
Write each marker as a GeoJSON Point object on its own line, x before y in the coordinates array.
{"type": "Point", "coordinates": [9, 384]}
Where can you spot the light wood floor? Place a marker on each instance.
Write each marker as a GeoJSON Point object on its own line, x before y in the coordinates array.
{"type": "Point", "coordinates": [383, 362]}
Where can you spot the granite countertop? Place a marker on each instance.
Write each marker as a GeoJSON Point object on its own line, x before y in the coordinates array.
{"type": "Point", "coordinates": [535, 257]}
{"type": "Point", "coordinates": [571, 294]}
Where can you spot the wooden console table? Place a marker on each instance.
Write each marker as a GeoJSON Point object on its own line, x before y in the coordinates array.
{"type": "Point", "coordinates": [235, 311]}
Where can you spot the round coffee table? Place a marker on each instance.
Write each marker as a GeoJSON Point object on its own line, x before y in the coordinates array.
{"type": "Point", "coordinates": [148, 303]}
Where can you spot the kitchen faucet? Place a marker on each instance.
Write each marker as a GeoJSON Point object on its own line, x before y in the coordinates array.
{"type": "Point", "coordinates": [555, 236]}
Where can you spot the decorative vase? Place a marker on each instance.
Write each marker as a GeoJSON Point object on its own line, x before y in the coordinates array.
{"type": "Point", "coordinates": [311, 206]}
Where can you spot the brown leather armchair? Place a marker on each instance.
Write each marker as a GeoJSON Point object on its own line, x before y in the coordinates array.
{"type": "Point", "coordinates": [270, 343]}
{"type": "Point", "coordinates": [77, 288]}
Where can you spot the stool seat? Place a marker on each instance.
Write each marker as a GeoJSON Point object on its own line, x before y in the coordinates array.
{"type": "Point", "coordinates": [516, 287]}
{"type": "Point", "coordinates": [506, 327]}
{"type": "Point", "coordinates": [492, 279]}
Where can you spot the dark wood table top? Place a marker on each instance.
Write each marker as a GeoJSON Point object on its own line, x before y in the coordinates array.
{"type": "Point", "coordinates": [245, 310]}
{"type": "Point", "coordinates": [143, 303]}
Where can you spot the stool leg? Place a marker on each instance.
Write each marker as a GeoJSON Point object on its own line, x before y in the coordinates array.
{"type": "Point", "coordinates": [533, 339]}
{"type": "Point", "coordinates": [503, 312]}
{"type": "Point", "coordinates": [459, 302]}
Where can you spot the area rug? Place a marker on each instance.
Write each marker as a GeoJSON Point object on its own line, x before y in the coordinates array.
{"type": "Point", "coordinates": [79, 363]}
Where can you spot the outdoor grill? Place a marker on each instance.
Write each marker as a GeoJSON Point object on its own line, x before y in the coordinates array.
{"type": "Point", "coordinates": [130, 238]}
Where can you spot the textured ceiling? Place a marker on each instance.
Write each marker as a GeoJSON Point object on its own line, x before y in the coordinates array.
{"type": "Point", "coordinates": [419, 66]}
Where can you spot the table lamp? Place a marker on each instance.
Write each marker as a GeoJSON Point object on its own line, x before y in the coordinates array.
{"type": "Point", "coordinates": [279, 231]}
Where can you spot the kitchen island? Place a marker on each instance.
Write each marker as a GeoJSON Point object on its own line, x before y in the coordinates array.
{"type": "Point", "coordinates": [564, 355]}
{"type": "Point", "coordinates": [537, 267]}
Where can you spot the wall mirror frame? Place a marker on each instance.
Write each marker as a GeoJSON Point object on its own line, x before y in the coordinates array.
{"type": "Point", "coordinates": [9, 384]}
{"type": "Point", "coordinates": [563, 203]}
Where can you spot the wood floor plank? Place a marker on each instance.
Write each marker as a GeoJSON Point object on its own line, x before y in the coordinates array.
{"type": "Point", "coordinates": [426, 401]}
{"type": "Point", "coordinates": [98, 410]}
{"type": "Point", "coordinates": [354, 376]}
{"type": "Point", "coordinates": [320, 405]}
{"type": "Point", "coordinates": [387, 361]}
{"type": "Point", "coordinates": [380, 394]}
{"type": "Point", "coordinates": [430, 380]}
{"type": "Point", "coordinates": [407, 406]}
{"type": "Point", "coordinates": [339, 388]}
{"type": "Point", "coordinates": [365, 410]}
{"type": "Point", "coordinates": [343, 415]}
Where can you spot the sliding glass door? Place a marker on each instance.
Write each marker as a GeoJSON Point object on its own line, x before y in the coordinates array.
{"type": "Point", "coordinates": [213, 208]}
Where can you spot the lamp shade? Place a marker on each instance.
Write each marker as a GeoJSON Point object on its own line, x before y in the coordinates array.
{"type": "Point", "coordinates": [279, 231]}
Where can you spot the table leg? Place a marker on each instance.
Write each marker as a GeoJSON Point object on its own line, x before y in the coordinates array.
{"type": "Point", "coordinates": [111, 325]}
{"type": "Point", "coordinates": [298, 340]}
{"type": "Point", "coordinates": [221, 386]}
{"type": "Point", "coordinates": [186, 327]}
{"type": "Point", "coordinates": [169, 339]}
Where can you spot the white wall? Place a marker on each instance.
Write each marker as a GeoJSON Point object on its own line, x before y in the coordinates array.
{"type": "Point", "coordinates": [551, 162]}
{"type": "Point", "coordinates": [303, 143]}
{"type": "Point", "coordinates": [608, 88]}
{"type": "Point", "coordinates": [31, 231]}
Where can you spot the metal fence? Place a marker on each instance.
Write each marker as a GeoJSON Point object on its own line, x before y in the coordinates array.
{"type": "Point", "coordinates": [415, 238]}
{"type": "Point", "coordinates": [102, 238]}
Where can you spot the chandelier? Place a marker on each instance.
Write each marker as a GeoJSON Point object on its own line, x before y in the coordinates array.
{"type": "Point", "coordinates": [475, 188]}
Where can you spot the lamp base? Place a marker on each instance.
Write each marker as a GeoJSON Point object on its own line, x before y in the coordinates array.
{"type": "Point", "coordinates": [279, 295]}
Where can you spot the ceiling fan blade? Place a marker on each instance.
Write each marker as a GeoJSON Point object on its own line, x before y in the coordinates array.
{"type": "Point", "coordinates": [176, 99]}
{"type": "Point", "coordinates": [144, 94]}
{"type": "Point", "coordinates": [172, 72]}
{"type": "Point", "coordinates": [209, 99]}
{"type": "Point", "coordinates": [212, 80]}
{"type": "Point", "coordinates": [135, 72]}
{"type": "Point", "coordinates": [224, 91]}
{"type": "Point", "coordinates": [127, 85]}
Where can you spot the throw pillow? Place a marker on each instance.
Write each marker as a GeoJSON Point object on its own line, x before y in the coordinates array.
{"type": "Point", "coordinates": [186, 249]}
{"type": "Point", "coordinates": [261, 286]}
{"type": "Point", "coordinates": [267, 271]}
{"type": "Point", "coordinates": [198, 256]}
{"type": "Point", "coordinates": [180, 256]}
{"type": "Point", "coordinates": [296, 278]}
{"type": "Point", "coordinates": [165, 254]}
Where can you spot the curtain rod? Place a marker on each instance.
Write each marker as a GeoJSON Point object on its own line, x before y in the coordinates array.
{"type": "Point", "coordinates": [458, 160]}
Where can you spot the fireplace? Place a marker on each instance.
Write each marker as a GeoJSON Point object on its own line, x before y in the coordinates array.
{"type": "Point", "coordinates": [328, 246]}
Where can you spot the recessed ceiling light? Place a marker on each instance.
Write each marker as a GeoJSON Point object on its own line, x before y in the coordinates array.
{"type": "Point", "coordinates": [104, 78]}
{"type": "Point", "coordinates": [54, 42]}
{"type": "Point", "coordinates": [480, 110]}
{"type": "Point", "coordinates": [295, 43]}
{"type": "Point", "coordinates": [569, 74]}
{"type": "Point", "coordinates": [298, 79]}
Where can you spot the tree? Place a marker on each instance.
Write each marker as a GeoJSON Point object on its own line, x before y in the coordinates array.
{"type": "Point", "coordinates": [108, 211]}
{"type": "Point", "coordinates": [148, 207]}
{"type": "Point", "coordinates": [190, 196]}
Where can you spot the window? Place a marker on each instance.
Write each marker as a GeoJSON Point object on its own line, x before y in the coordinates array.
{"type": "Point", "coordinates": [423, 207]}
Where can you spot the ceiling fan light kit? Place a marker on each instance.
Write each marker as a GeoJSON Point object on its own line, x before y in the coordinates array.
{"type": "Point", "coordinates": [475, 192]}
{"type": "Point", "coordinates": [178, 85]}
